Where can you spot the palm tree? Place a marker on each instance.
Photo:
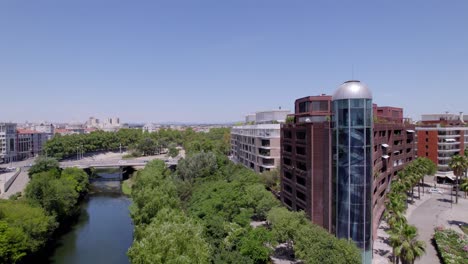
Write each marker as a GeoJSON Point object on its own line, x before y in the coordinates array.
{"type": "Point", "coordinates": [464, 186]}
{"type": "Point", "coordinates": [395, 241]}
{"type": "Point", "coordinates": [458, 164]}
{"type": "Point", "coordinates": [395, 206]}
{"type": "Point", "coordinates": [411, 248]}
{"type": "Point", "coordinates": [406, 245]}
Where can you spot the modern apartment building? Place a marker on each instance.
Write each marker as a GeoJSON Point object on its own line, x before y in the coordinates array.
{"type": "Point", "coordinates": [257, 146]}
{"type": "Point", "coordinates": [337, 162]}
{"type": "Point", "coordinates": [440, 137]}
{"type": "Point", "coordinates": [30, 143]}
{"type": "Point", "coordinates": [7, 142]}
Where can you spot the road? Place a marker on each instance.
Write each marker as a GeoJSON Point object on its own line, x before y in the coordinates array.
{"type": "Point", "coordinates": [437, 211]}
{"type": "Point", "coordinates": [18, 185]}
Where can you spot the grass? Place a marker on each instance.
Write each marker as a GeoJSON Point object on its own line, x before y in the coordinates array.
{"type": "Point", "coordinates": [452, 246]}
{"type": "Point", "coordinates": [464, 228]}
{"type": "Point", "coordinates": [127, 186]}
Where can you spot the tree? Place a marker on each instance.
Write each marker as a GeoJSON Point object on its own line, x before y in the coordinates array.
{"type": "Point", "coordinates": [13, 243]}
{"type": "Point", "coordinates": [315, 245]}
{"type": "Point", "coordinates": [173, 151]}
{"type": "Point", "coordinates": [285, 224]}
{"type": "Point", "coordinates": [171, 237]}
{"type": "Point", "coordinates": [23, 229]}
{"type": "Point", "coordinates": [146, 146]}
{"type": "Point", "coordinates": [254, 244]}
{"type": "Point", "coordinates": [79, 179]}
{"type": "Point", "coordinates": [199, 165]}
{"type": "Point", "coordinates": [405, 243]}
{"type": "Point", "coordinates": [458, 164]}
{"type": "Point", "coordinates": [42, 164]}
{"type": "Point", "coordinates": [271, 179]}
{"type": "Point", "coordinates": [58, 196]}
{"type": "Point", "coordinates": [464, 186]}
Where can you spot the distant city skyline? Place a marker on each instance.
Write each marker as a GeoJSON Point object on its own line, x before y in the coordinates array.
{"type": "Point", "coordinates": [217, 61]}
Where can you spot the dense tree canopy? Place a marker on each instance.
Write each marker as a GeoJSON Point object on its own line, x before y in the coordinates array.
{"type": "Point", "coordinates": [217, 140]}
{"type": "Point", "coordinates": [23, 229]}
{"type": "Point", "coordinates": [43, 164]}
{"type": "Point", "coordinates": [219, 201]}
{"type": "Point", "coordinates": [171, 237]}
{"type": "Point", "coordinates": [51, 197]}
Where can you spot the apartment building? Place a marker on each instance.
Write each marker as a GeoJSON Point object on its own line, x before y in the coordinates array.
{"type": "Point", "coordinates": [338, 158]}
{"type": "Point", "coordinates": [257, 146]}
{"type": "Point", "coordinates": [30, 143]}
{"type": "Point", "coordinates": [440, 137]}
{"type": "Point", "coordinates": [7, 142]}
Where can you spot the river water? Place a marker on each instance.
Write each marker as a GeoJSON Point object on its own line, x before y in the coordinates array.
{"type": "Point", "coordinates": [104, 230]}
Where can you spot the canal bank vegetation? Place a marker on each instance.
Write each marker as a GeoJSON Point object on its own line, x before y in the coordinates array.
{"type": "Point", "coordinates": [51, 199]}
{"type": "Point", "coordinates": [212, 211]}
{"type": "Point", "coordinates": [403, 236]}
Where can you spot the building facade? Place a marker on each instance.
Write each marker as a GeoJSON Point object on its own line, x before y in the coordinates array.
{"type": "Point", "coordinates": [440, 142]}
{"type": "Point", "coordinates": [352, 165]}
{"type": "Point", "coordinates": [7, 142]}
{"type": "Point", "coordinates": [257, 144]}
{"type": "Point", "coordinates": [337, 163]}
{"type": "Point", "coordinates": [30, 143]}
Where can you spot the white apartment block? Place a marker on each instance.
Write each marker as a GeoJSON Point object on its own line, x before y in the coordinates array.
{"type": "Point", "coordinates": [256, 146]}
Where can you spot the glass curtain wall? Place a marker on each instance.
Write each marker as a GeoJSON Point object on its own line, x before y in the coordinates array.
{"type": "Point", "coordinates": [352, 172]}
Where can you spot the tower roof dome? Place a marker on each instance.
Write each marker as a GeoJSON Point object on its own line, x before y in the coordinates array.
{"type": "Point", "coordinates": [352, 90]}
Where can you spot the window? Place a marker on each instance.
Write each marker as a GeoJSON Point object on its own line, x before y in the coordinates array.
{"type": "Point", "coordinates": [300, 196]}
{"type": "Point", "coordinates": [287, 148]}
{"type": "Point", "coordinates": [301, 166]}
{"type": "Point", "coordinates": [301, 181]}
{"type": "Point", "coordinates": [300, 150]}
{"type": "Point", "coordinates": [287, 161]}
{"type": "Point", "coordinates": [288, 175]}
{"type": "Point", "coordinates": [287, 134]}
{"type": "Point", "coordinates": [287, 188]}
{"type": "Point", "coordinates": [320, 106]}
{"type": "Point", "coordinates": [300, 134]}
{"type": "Point", "coordinates": [303, 107]}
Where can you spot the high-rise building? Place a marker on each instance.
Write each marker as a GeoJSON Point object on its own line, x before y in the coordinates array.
{"type": "Point", "coordinates": [257, 144]}
{"type": "Point", "coordinates": [338, 157]}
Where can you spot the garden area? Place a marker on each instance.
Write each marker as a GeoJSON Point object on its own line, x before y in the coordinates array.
{"type": "Point", "coordinates": [451, 246]}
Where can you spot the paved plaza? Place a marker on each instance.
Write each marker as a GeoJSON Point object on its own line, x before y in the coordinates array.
{"type": "Point", "coordinates": [430, 211]}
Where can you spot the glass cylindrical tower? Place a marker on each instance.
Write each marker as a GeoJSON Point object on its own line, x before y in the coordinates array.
{"type": "Point", "coordinates": [352, 165]}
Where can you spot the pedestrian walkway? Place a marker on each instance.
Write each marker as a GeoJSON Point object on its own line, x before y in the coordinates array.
{"type": "Point", "coordinates": [382, 249]}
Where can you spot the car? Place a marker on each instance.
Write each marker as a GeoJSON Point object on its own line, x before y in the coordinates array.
{"type": "Point", "coordinates": [435, 190]}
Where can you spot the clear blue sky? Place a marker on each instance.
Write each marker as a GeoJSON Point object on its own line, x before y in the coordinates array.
{"type": "Point", "coordinates": [212, 61]}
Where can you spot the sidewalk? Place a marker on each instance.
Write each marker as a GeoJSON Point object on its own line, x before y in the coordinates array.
{"type": "Point", "coordinates": [381, 248]}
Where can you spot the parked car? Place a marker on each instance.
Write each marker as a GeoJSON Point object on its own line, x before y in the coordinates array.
{"type": "Point", "coordinates": [435, 190]}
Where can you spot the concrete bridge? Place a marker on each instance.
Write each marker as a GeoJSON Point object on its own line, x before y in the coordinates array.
{"type": "Point", "coordinates": [137, 164]}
